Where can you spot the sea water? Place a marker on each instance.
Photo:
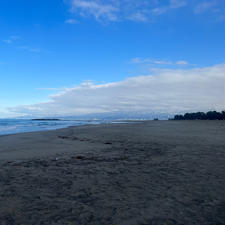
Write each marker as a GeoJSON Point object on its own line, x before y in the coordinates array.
{"type": "Point", "coordinates": [12, 126]}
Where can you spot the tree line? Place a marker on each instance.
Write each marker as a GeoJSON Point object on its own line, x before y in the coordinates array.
{"type": "Point", "coordinates": [211, 115]}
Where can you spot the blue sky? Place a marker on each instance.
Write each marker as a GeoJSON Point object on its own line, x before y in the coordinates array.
{"type": "Point", "coordinates": [48, 47]}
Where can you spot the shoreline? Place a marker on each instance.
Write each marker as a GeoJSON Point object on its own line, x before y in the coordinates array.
{"type": "Point", "coordinates": [88, 122]}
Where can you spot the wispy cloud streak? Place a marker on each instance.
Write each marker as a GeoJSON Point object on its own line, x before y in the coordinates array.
{"type": "Point", "coordinates": [71, 21]}
{"type": "Point", "coordinates": [34, 50]}
{"type": "Point", "coordinates": [97, 9]}
{"type": "Point", "coordinates": [138, 60]}
{"type": "Point", "coordinates": [11, 39]}
{"type": "Point", "coordinates": [120, 10]}
{"type": "Point", "coordinates": [215, 7]}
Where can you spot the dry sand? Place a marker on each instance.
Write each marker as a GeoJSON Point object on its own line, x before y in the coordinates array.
{"type": "Point", "coordinates": [150, 173]}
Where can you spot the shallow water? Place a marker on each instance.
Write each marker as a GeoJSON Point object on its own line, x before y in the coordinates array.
{"type": "Point", "coordinates": [12, 126]}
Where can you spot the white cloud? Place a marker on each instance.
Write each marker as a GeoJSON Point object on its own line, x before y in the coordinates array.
{"type": "Point", "coordinates": [71, 21]}
{"type": "Point", "coordinates": [138, 60]}
{"type": "Point", "coordinates": [173, 4]}
{"type": "Point", "coordinates": [11, 39]}
{"type": "Point", "coordinates": [14, 37]}
{"type": "Point", "coordinates": [165, 90]}
{"type": "Point", "coordinates": [142, 10]}
{"type": "Point", "coordinates": [204, 6]}
{"type": "Point", "coordinates": [31, 49]}
{"type": "Point", "coordinates": [177, 3]}
{"type": "Point", "coordinates": [138, 16]}
{"type": "Point", "coordinates": [181, 62]}
{"type": "Point", "coordinates": [34, 50]}
{"type": "Point", "coordinates": [161, 62]}
{"type": "Point", "coordinates": [95, 8]}
{"type": "Point", "coordinates": [215, 7]}
{"type": "Point", "coordinates": [8, 41]}
{"type": "Point", "coordinates": [119, 10]}
{"type": "Point", "coordinates": [159, 10]}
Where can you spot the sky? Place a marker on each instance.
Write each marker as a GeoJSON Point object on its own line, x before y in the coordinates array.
{"type": "Point", "coordinates": [76, 57]}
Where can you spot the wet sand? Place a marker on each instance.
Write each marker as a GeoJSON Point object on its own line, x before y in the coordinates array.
{"type": "Point", "coordinates": [146, 173]}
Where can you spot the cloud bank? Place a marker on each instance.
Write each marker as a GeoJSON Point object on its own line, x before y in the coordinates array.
{"type": "Point", "coordinates": [164, 91]}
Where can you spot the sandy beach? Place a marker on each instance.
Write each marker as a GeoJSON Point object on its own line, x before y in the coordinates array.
{"type": "Point", "coordinates": [144, 173]}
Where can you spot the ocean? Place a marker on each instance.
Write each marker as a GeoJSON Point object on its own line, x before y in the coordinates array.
{"type": "Point", "coordinates": [13, 126]}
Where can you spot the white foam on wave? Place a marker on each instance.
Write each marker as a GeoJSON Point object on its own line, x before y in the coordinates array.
{"type": "Point", "coordinates": [21, 126]}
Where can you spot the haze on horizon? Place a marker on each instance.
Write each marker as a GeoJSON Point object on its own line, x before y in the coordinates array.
{"type": "Point", "coordinates": [79, 57]}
